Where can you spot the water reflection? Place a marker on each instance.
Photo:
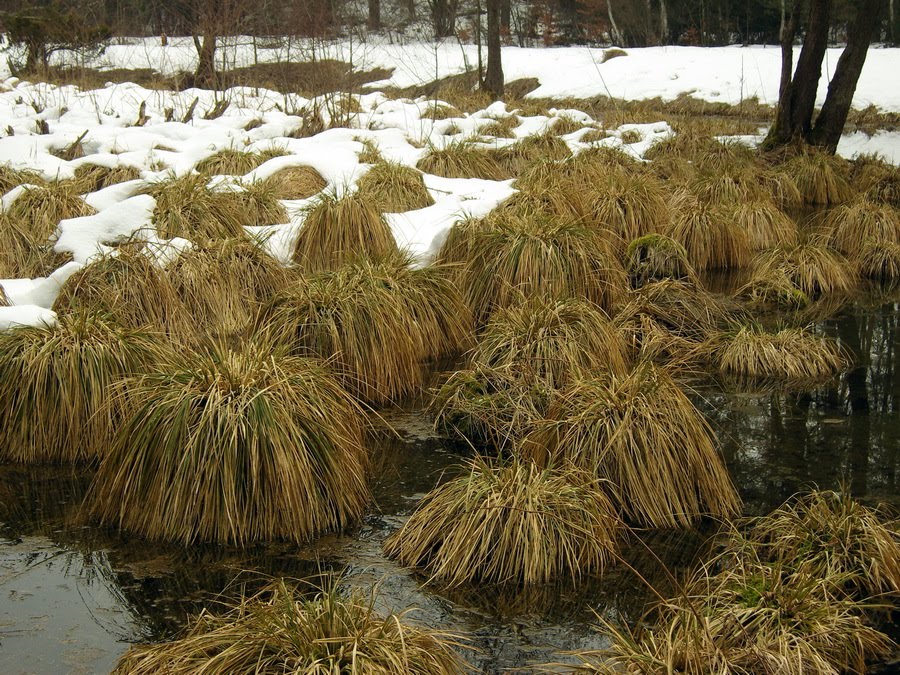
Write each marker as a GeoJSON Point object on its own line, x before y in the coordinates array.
{"type": "Point", "coordinates": [844, 433]}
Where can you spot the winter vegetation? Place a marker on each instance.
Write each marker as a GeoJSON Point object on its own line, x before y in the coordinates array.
{"type": "Point", "coordinates": [238, 239]}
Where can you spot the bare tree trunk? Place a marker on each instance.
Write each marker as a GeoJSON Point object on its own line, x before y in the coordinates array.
{"type": "Point", "coordinates": [205, 75]}
{"type": "Point", "coordinates": [506, 15]}
{"type": "Point", "coordinates": [663, 23]}
{"type": "Point", "coordinates": [374, 22]}
{"type": "Point", "coordinates": [493, 79]}
{"type": "Point", "coordinates": [411, 10]}
{"type": "Point", "coordinates": [614, 29]}
{"type": "Point", "coordinates": [797, 94]}
{"type": "Point", "coordinates": [830, 123]}
{"type": "Point", "coordinates": [443, 14]}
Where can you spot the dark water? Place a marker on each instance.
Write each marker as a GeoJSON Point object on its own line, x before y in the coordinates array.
{"type": "Point", "coordinates": [73, 597]}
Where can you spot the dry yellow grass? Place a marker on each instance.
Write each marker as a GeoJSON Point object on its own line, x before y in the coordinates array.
{"type": "Point", "coordinates": [643, 436]}
{"type": "Point", "coordinates": [296, 182]}
{"type": "Point", "coordinates": [394, 188]}
{"type": "Point", "coordinates": [509, 522]}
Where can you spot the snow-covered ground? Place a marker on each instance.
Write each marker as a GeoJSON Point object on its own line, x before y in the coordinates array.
{"type": "Point", "coordinates": [169, 143]}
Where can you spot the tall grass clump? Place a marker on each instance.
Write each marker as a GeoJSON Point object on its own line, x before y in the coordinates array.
{"type": "Point", "coordinates": [531, 149]}
{"type": "Point", "coordinates": [526, 255]}
{"type": "Point", "coordinates": [296, 182]}
{"type": "Point", "coordinates": [395, 188]}
{"type": "Point", "coordinates": [656, 257]}
{"type": "Point", "coordinates": [880, 261]}
{"type": "Point", "coordinates": [509, 522]}
{"type": "Point", "coordinates": [750, 617]}
{"type": "Point", "coordinates": [629, 204]}
{"type": "Point", "coordinates": [712, 240]}
{"type": "Point", "coordinates": [231, 162]}
{"type": "Point", "coordinates": [25, 252]}
{"type": "Point", "coordinates": [377, 321]}
{"type": "Point", "coordinates": [234, 446]}
{"type": "Point", "coordinates": [129, 287]}
{"type": "Point", "coordinates": [223, 284]}
{"type": "Point", "coordinates": [849, 227]}
{"type": "Point", "coordinates": [814, 269]}
{"type": "Point", "coordinates": [486, 406]}
{"type": "Point", "coordinates": [288, 628]}
{"type": "Point", "coordinates": [789, 354]}
{"type": "Point", "coordinates": [339, 229]}
{"type": "Point", "coordinates": [57, 383]}
{"type": "Point", "coordinates": [766, 225]}
{"type": "Point", "coordinates": [463, 159]}
{"type": "Point", "coordinates": [10, 178]}
{"type": "Point", "coordinates": [187, 207]}
{"type": "Point", "coordinates": [830, 535]}
{"type": "Point", "coordinates": [820, 177]}
{"type": "Point", "coordinates": [551, 340]}
{"type": "Point", "coordinates": [727, 186]}
{"type": "Point", "coordinates": [643, 436]}
{"type": "Point", "coordinates": [93, 177]}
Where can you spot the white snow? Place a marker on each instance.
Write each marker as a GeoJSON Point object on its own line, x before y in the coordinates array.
{"type": "Point", "coordinates": [174, 136]}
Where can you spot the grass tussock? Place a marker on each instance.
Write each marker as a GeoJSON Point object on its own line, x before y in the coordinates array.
{"type": "Point", "coordinates": [878, 180]}
{"type": "Point", "coordinates": [536, 148]}
{"type": "Point", "coordinates": [222, 285]}
{"type": "Point", "coordinates": [655, 257]}
{"type": "Point", "coordinates": [712, 239]}
{"type": "Point", "coordinates": [880, 261]}
{"type": "Point", "coordinates": [850, 227]}
{"type": "Point", "coordinates": [234, 446]}
{"type": "Point", "coordinates": [378, 322]}
{"type": "Point", "coordinates": [552, 341]}
{"type": "Point", "coordinates": [231, 162]}
{"type": "Point", "coordinates": [10, 178]}
{"type": "Point", "coordinates": [489, 406]}
{"type": "Point", "coordinates": [56, 390]}
{"type": "Point", "coordinates": [287, 628]}
{"type": "Point", "coordinates": [640, 433]}
{"type": "Point", "coordinates": [24, 252]}
{"type": "Point", "coordinates": [38, 210]}
{"type": "Point", "coordinates": [766, 225]}
{"type": "Point", "coordinates": [669, 321]}
{"type": "Point", "coordinates": [339, 229]}
{"type": "Point", "coordinates": [395, 188]}
{"type": "Point", "coordinates": [187, 207]}
{"type": "Point", "coordinates": [528, 255]}
{"type": "Point", "coordinates": [440, 111]}
{"type": "Point", "coordinates": [129, 287]}
{"type": "Point", "coordinates": [812, 268]}
{"type": "Point", "coordinates": [750, 617]}
{"type": "Point", "coordinates": [629, 204]}
{"type": "Point", "coordinates": [830, 535]}
{"type": "Point", "coordinates": [727, 186]}
{"type": "Point", "coordinates": [500, 127]}
{"type": "Point", "coordinates": [92, 177]}
{"type": "Point", "coordinates": [789, 354]}
{"type": "Point", "coordinates": [296, 182]}
{"type": "Point", "coordinates": [463, 159]}
{"type": "Point", "coordinates": [820, 177]}
{"type": "Point", "coordinates": [509, 522]}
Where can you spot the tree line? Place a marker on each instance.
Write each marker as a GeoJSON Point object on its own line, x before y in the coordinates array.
{"type": "Point", "coordinates": [627, 23]}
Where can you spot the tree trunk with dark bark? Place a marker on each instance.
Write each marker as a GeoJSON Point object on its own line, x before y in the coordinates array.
{"type": "Point", "coordinates": [374, 20]}
{"type": "Point", "coordinates": [493, 78]}
{"type": "Point", "coordinates": [830, 123]}
{"type": "Point", "coordinates": [797, 95]}
{"type": "Point", "coordinates": [205, 75]}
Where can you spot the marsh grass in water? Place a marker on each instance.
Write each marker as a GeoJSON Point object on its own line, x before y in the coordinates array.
{"type": "Point", "coordinates": [57, 384]}
{"type": "Point", "coordinates": [811, 267]}
{"type": "Point", "coordinates": [788, 354]}
{"type": "Point", "coordinates": [655, 257]}
{"type": "Point", "coordinates": [234, 446]}
{"type": "Point", "coordinates": [551, 340]}
{"type": "Point", "coordinates": [712, 239]}
{"type": "Point", "coordinates": [287, 627]}
{"type": "Point", "coordinates": [641, 434]}
{"type": "Point", "coordinates": [378, 321]}
{"type": "Point", "coordinates": [527, 255]}
{"type": "Point", "coordinates": [510, 522]}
